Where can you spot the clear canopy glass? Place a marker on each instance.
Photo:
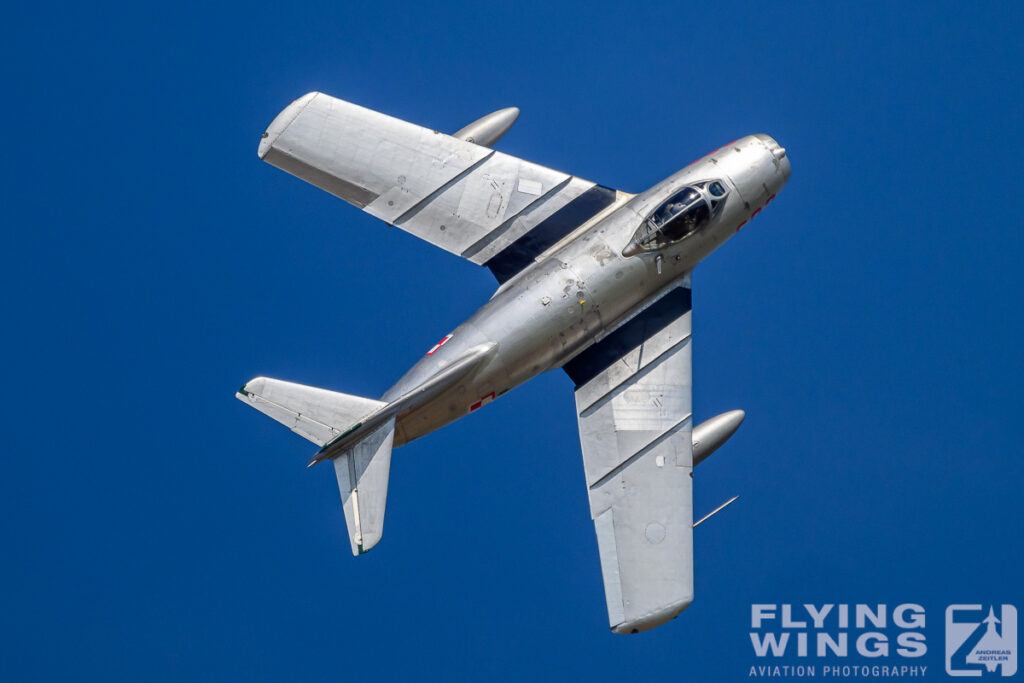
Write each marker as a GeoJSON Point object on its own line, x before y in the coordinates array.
{"type": "Point", "coordinates": [681, 215]}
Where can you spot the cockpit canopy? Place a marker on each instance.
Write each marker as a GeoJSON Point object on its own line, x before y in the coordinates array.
{"type": "Point", "coordinates": [680, 216]}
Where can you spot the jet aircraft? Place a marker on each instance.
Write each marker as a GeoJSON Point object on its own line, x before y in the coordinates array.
{"type": "Point", "coordinates": [592, 280]}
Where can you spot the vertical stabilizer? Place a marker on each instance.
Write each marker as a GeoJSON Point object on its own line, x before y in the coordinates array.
{"type": "Point", "coordinates": [363, 482]}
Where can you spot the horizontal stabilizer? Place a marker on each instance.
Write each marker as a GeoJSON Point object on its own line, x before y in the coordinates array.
{"type": "Point", "coordinates": [315, 414]}
{"type": "Point", "coordinates": [363, 482]}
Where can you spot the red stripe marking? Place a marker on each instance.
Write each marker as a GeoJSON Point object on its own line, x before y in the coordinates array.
{"type": "Point", "coordinates": [438, 345]}
{"type": "Point", "coordinates": [740, 226]}
{"type": "Point", "coordinates": [482, 402]}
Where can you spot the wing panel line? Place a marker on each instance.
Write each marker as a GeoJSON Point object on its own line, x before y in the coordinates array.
{"type": "Point", "coordinates": [524, 250]}
{"type": "Point", "coordinates": [631, 335]}
{"type": "Point", "coordinates": [645, 368]}
{"type": "Point", "coordinates": [423, 203]}
{"type": "Point", "coordinates": [496, 234]}
{"type": "Point", "coordinates": [632, 379]}
{"type": "Point", "coordinates": [653, 443]}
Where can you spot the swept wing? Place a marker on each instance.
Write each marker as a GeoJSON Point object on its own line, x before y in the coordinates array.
{"type": "Point", "coordinates": [633, 401]}
{"type": "Point", "coordinates": [488, 207]}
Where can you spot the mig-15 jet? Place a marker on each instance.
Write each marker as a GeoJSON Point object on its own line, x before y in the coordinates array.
{"type": "Point", "coordinates": [592, 280]}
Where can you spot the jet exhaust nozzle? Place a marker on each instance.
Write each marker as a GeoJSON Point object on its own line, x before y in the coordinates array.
{"type": "Point", "coordinates": [489, 129]}
{"type": "Point", "coordinates": [710, 435]}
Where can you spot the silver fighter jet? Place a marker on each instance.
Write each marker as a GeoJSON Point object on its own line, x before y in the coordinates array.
{"type": "Point", "coordinates": [592, 280]}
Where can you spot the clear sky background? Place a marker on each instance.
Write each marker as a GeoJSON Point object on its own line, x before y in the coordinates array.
{"type": "Point", "coordinates": [869, 322]}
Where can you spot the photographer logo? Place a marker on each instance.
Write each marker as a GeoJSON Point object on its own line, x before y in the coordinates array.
{"type": "Point", "coordinates": [981, 640]}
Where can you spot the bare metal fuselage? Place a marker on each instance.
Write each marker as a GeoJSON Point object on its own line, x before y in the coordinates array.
{"type": "Point", "coordinates": [576, 294]}
{"type": "Point", "coordinates": [592, 280]}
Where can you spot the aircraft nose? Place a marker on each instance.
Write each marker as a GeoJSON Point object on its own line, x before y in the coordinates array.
{"type": "Point", "coordinates": [778, 153]}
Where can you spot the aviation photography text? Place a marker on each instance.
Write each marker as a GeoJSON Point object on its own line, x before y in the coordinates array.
{"type": "Point", "coordinates": [837, 640]}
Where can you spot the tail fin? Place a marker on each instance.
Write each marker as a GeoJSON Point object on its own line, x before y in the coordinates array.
{"type": "Point", "coordinates": [315, 414]}
{"type": "Point", "coordinates": [321, 416]}
{"type": "Point", "coordinates": [363, 482]}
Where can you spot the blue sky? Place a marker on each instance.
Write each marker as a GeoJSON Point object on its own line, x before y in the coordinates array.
{"type": "Point", "coordinates": [154, 528]}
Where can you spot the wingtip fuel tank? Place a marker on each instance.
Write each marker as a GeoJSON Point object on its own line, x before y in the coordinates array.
{"type": "Point", "coordinates": [488, 130]}
{"type": "Point", "coordinates": [709, 436]}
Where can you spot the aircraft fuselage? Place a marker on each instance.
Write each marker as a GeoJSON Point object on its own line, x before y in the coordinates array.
{"type": "Point", "coordinates": [583, 288]}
